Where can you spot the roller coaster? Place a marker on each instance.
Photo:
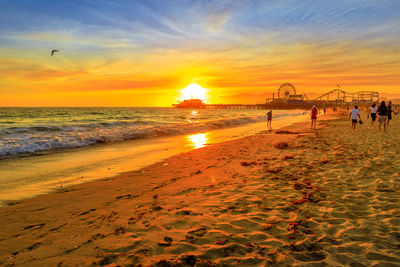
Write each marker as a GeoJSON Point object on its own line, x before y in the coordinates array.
{"type": "Point", "coordinates": [338, 96]}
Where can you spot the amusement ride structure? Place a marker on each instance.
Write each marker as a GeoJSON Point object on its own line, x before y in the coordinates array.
{"type": "Point", "coordinates": [338, 95]}
{"type": "Point", "coordinates": [289, 99]}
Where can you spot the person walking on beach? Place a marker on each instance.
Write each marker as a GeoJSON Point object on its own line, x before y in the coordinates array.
{"type": "Point", "coordinates": [389, 111]}
{"type": "Point", "coordinates": [382, 115]}
{"type": "Point", "coordinates": [373, 111]}
{"type": "Point", "coordinates": [354, 114]}
{"type": "Point", "coordinates": [269, 119]}
{"type": "Point", "coordinates": [314, 113]}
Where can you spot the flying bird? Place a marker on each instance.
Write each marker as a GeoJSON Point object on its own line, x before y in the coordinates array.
{"type": "Point", "coordinates": [54, 51]}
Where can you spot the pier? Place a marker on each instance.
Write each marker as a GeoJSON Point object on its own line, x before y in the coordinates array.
{"type": "Point", "coordinates": [235, 106]}
{"type": "Point", "coordinates": [289, 99]}
{"type": "Point", "coordinates": [219, 106]}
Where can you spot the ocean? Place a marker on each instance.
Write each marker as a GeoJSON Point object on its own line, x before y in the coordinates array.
{"type": "Point", "coordinates": [43, 149]}
{"type": "Point", "coordinates": [25, 131]}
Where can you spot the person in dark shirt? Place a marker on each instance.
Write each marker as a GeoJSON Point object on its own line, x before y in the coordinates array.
{"type": "Point", "coordinates": [383, 115]}
{"type": "Point", "coordinates": [389, 113]}
{"type": "Point", "coordinates": [269, 119]}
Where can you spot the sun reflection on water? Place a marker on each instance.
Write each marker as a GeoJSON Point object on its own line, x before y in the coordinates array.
{"type": "Point", "coordinates": [193, 116]}
{"type": "Point", "coordinates": [197, 140]}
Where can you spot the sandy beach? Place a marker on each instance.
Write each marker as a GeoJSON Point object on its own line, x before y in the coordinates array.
{"type": "Point", "coordinates": [292, 197]}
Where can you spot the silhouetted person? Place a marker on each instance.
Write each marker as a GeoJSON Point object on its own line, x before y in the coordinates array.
{"type": "Point", "coordinates": [390, 111]}
{"type": "Point", "coordinates": [314, 113]}
{"type": "Point", "coordinates": [383, 115]}
{"type": "Point", "coordinates": [269, 119]}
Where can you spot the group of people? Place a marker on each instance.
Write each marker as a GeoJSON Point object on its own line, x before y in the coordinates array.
{"type": "Point", "coordinates": [383, 113]}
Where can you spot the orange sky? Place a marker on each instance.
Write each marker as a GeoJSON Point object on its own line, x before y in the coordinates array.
{"type": "Point", "coordinates": [230, 50]}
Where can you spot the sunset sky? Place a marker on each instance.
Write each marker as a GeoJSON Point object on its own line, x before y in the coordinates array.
{"type": "Point", "coordinates": [143, 53]}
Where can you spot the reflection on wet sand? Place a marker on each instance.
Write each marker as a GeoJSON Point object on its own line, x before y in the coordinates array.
{"type": "Point", "coordinates": [197, 140]}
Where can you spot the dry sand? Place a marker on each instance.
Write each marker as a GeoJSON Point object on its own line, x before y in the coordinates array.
{"type": "Point", "coordinates": [330, 198]}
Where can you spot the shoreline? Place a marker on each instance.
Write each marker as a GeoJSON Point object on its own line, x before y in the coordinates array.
{"type": "Point", "coordinates": [102, 161]}
{"type": "Point", "coordinates": [93, 131]}
{"type": "Point", "coordinates": [248, 201]}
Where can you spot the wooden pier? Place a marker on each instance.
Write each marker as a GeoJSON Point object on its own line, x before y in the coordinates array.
{"type": "Point", "coordinates": [291, 100]}
{"type": "Point", "coordinates": [235, 106]}
{"type": "Point", "coordinates": [270, 105]}
{"type": "Point", "coordinates": [198, 104]}
{"type": "Point", "coordinates": [223, 106]}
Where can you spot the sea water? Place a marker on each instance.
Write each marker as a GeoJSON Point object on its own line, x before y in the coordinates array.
{"type": "Point", "coordinates": [46, 148]}
{"type": "Point", "coordinates": [25, 131]}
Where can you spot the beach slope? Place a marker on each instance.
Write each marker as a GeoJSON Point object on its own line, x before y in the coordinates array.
{"type": "Point", "coordinates": [290, 198]}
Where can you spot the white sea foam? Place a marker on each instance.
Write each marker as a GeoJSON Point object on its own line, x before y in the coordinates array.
{"type": "Point", "coordinates": [27, 138]}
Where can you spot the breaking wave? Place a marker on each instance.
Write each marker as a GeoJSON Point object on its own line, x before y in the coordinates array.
{"type": "Point", "coordinates": [28, 140]}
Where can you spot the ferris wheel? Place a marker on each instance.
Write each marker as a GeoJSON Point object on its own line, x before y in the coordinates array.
{"type": "Point", "coordinates": [285, 90]}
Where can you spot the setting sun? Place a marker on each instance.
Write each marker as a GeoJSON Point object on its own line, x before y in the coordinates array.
{"type": "Point", "coordinates": [194, 91]}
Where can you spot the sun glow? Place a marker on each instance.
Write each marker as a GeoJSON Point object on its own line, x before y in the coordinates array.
{"type": "Point", "coordinates": [197, 140]}
{"type": "Point", "coordinates": [194, 91]}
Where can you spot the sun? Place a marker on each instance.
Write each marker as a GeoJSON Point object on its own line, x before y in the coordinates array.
{"type": "Point", "coordinates": [194, 91]}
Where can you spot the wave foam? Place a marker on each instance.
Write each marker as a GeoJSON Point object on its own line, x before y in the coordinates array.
{"type": "Point", "coordinates": [27, 140]}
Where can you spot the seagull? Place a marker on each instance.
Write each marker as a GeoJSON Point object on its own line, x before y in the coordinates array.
{"type": "Point", "coordinates": [54, 51]}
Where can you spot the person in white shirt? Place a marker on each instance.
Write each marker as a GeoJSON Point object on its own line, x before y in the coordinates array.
{"type": "Point", "coordinates": [354, 114]}
{"type": "Point", "coordinates": [373, 111]}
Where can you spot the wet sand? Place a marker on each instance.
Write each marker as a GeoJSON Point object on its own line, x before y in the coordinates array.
{"type": "Point", "coordinates": [26, 177]}
{"type": "Point", "coordinates": [292, 197]}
